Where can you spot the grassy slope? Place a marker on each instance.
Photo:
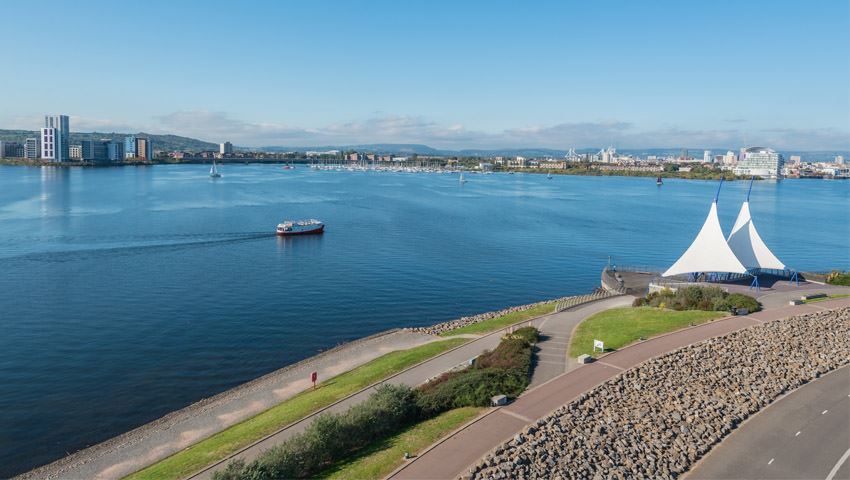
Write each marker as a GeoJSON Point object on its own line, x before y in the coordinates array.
{"type": "Point", "coordinates": [619, 327]}
{"type": "Point", "coordinates": [503, 321]}
{"type": "Point", "coordinates": [828, 297]}
{"type": "Point", "coordinates": [244, 433]}
{"type": "Point", "coordinates": [381, 458]}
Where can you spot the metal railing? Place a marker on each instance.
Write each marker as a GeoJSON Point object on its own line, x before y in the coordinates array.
{"type": "Point", "coordinates": [634, 268]}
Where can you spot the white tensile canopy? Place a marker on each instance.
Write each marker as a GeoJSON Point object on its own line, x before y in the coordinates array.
{"type": "Point", "coordinates": [748, 246]}
{"type": "Point", "coordinates": [709, 251]}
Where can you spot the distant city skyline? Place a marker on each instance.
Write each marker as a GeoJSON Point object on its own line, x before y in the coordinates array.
{"type": "Point", "coordinates": [446, 74]}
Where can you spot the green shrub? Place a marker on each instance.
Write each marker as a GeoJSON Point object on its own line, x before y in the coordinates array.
{"type": "Point", "coordinates": [737, 300]}
{"type": "Point", "coordinates": [837, 277]}
{"type": "Point", "coordinates": [505, 371]}
{"type": "Point", "coordinates": [529, 334]}
{"type": "Point", "coordinates": [331, 437]}
{"type": "Point", "coordinates": [472, 387]}
{"type": "Point", "coordinates": [511, 353]}
{"type": "Point", "coordinates": [697, 297]}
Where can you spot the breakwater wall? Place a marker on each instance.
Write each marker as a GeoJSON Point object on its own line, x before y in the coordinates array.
{"type": "Point", "coordinates": [561, 303]}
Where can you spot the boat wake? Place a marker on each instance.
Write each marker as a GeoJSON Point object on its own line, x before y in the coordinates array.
{"type": "Point", "coordinates": [134, 245]}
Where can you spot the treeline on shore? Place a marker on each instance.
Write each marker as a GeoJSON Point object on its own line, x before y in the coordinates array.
{"type": "Point", "coordinates": [697, 172]}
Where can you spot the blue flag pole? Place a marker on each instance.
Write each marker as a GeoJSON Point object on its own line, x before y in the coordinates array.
{"type": "Point", "coordinates": [717, 195]}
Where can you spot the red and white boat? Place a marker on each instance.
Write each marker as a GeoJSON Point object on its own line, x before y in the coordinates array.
{"type": "Point", "coordinates": [300, 227]}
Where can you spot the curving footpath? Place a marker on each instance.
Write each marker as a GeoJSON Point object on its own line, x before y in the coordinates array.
{"type": "Point", "coordinates": [453, 456]}
{"type": "Point", "coordinates": [419, 374]}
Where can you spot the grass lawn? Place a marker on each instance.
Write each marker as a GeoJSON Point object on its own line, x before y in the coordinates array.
{"type": "Point", "coordinates": [828, 297]}
{"type": "Point", "coordinates": [227, 441]}
{"type": "Point", "coordinates": [619, 327]}
{"type": "Point", "coordinates": [503, 321]}
{"type": "Point", "coordinates": [381, 458]}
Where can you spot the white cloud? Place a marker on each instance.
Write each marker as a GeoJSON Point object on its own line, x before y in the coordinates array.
{"type": "Point", "coordinates": [219, 126]}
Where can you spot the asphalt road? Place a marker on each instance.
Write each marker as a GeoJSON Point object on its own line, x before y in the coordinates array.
{"type": "Point", "coordinates": [804, 435]}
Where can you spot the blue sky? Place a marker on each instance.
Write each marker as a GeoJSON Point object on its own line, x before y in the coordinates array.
{"type": "Point", "coordinates": [450, 74]}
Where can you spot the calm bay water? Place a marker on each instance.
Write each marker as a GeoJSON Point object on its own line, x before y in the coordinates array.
{"type": "Point", "coordinates": [126, 293]}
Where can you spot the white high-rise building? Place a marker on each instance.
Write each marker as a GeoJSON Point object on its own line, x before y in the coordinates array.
{"type": "Point", "coordinates": [839, 159]}
{"type": "Point", "coordinates": [706, 156]}
{"type": "Point", "coordinates": [760, 161]}
{"type": "Point", "coordinates": [730, 158]}
{"type": "Point", "coordinates": [225, 148]}
{"type": "Point", "coordinates": [31, 148]}
{"type": "Point", "coordinates": [55, 139]}
{"type": "Point", "coordinates": [48, 145]}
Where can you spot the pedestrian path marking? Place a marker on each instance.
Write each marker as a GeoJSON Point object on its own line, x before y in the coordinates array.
{"type": "Point", "coordinates": [516, 415]}
{"type": "Point", "coordinates": [824, 412]}
{"type": "Point", "coordinates": [609, 365]}
{"type": "Point", "coordinates": [771, 461]}
{"type": "Point", "coordinates": [797, 434]}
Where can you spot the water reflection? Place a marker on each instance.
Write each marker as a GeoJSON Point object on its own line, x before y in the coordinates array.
{"type": "Point", "coordinates": [55, 198]}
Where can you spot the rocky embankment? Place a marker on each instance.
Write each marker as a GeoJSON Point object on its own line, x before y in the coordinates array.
{"type": "Point", "coordinates": [657, 419]}
{"type": "Point", "coordinates": [464, 321]}
{"type": "Point", "coordinates": [560, 303]}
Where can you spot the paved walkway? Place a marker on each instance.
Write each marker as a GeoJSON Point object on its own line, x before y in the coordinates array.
{"type": "Point", "coordinates": [550, 359]}
{"type": "Point", "coordinates": [151, 442]}
{"type": "Point", "coordinates": [414, 376]}
{"type": "Point", "coordinates": [805, 434]}
{"type": "Point", "coordinates": [454, 455]}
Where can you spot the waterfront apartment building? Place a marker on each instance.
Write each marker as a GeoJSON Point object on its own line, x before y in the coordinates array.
{"type": "Point", "coordinates": [75, 152]}
{"type": "Point", "coordinates": [94, 151]}
{"type": "Point", "coordinates": [706, 156]}
{"type": "Point", "coordinates": [31, 148]}
{"type": "Point", "coordinates": [225, 148]}
{"type": "Point", "coordinates": [130, 147]}
{"type": "Point", "coordinates": [55, 139]}
{"type": "Point", "coordinates": [730, 158]}
{"type": "Point", "coordinates": [144, 150]}
{"type": "Point", "coordinates": [115, 151]}
{"type": "Point", "coordinates": [11, 150]}
{"type": "Point", "coordinates": [761, 162]}
{"type": "Point", "coordinates": [137, 147]}
{"type": "Point", "coordinates": [102, 151]}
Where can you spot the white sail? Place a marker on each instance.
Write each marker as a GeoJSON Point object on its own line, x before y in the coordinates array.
{"type": "Point", "coordinates": [747, 245]}
{"type": "Point", "coordinates": [709, 251]}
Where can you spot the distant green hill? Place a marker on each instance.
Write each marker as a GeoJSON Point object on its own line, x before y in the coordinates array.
{"type": "Point", "coordinates": [160, 142]}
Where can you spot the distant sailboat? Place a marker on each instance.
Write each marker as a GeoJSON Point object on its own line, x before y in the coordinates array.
{"type": "Point", "coordinates": [658, 181]}
{"type": "Point", "coordinates": [462, 180]}
{"type": "Point", "coordinates": [549, 175]}
{"type": "Point", "coordinates": [214, 171]}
